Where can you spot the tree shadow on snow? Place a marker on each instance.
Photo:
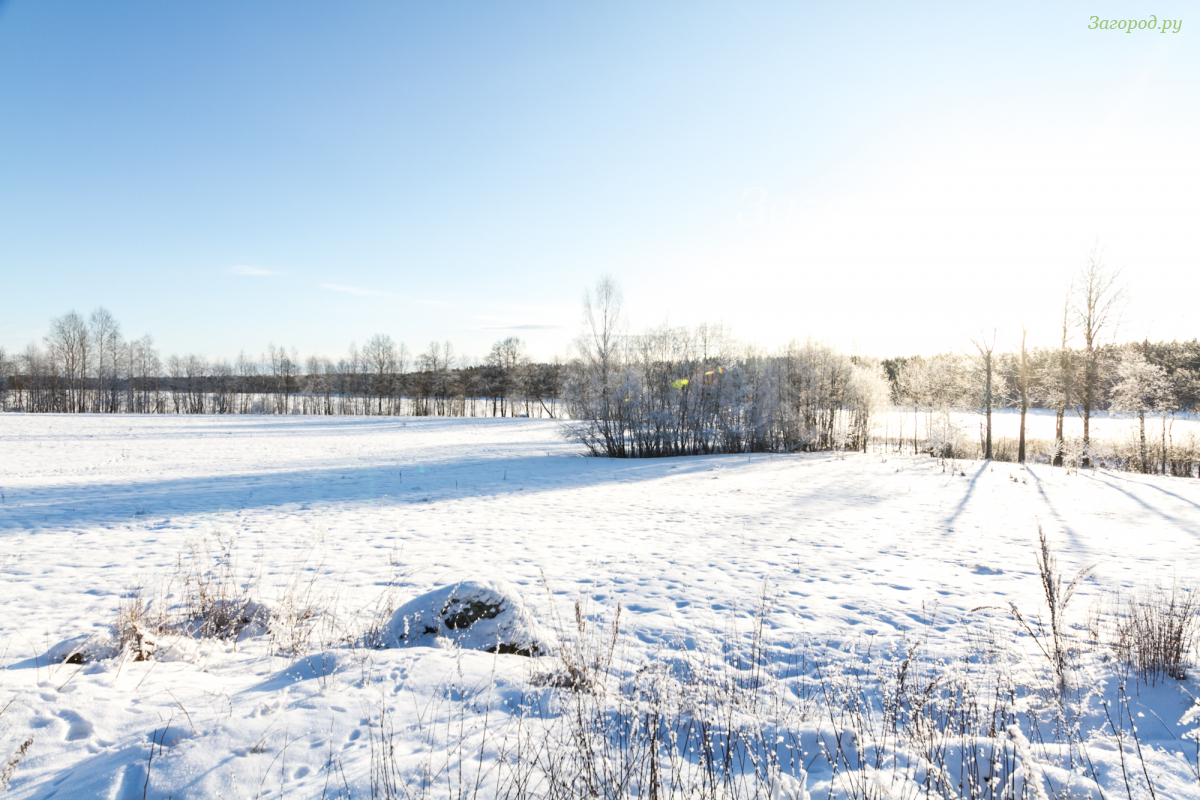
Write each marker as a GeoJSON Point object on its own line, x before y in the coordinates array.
{"type": "Point", "coordinates": [389, 481]}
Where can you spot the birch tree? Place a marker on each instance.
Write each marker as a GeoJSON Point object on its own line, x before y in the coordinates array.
{"type": "Point", "coordinates": [105, 334]}
{"type": "Point", "coordinates": [1023, 389]}
{"type": "Point", "coordinates": [1097, 304]}
{"type": "Point", "coordinates": [70, 351]}
{"type": "Point", "coordinates": [596, 394]}
{"type": "Point", "coordinates": [986, 346]}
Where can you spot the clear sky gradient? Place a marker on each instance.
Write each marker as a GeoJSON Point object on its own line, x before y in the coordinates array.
{"type": "Point", "coordinates": [889, 177]}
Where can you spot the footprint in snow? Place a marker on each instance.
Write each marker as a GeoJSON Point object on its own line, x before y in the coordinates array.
{"type": "Point", "coordinates": [132, 784]}
{"type": "Point", "coordinates": [77, 727]}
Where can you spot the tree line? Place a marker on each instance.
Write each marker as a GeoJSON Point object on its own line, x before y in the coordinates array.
{"type": "Point", "coordinates": [675, 390]}
{"type": "Point", "coordinates": [679, 391]}
{"type": "Point", "coordinates": [85, 365]}
{"type": "Point", "coordinates": [1088, 372]}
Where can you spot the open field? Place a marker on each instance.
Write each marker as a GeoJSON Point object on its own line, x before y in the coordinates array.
{"type": "Point", "coordinates": [855, 552]}
{"type": "Point", "coordinates": [1039, 423]}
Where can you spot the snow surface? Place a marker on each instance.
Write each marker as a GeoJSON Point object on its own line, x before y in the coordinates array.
{"type": "Point", "coordinates": [1106, 426]}
{"type": "Point", "coordinates": [857, 548]}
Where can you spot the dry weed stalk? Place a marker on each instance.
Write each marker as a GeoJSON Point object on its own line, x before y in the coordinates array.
{"type": "Point", "coordinates": [10, 767]}
{"type": "Point", "coordinates": [1054, 643]}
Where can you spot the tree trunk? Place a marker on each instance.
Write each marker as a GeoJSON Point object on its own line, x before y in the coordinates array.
{"type": "Point", "coordinates": [1142, 432]}
{"type": "Point", "coordinates": [1088, 391]}
{"type": "Point", "coordinates": [1164, 444]}
{"type": "Point", "coordinates": [988, 402]}
{"type": "Point", "coordinates": [1024, 399]}
{"type": "Point", "coordinates": [1059, 442]}
{"type": "Point", "coordinates": [1021, 441]}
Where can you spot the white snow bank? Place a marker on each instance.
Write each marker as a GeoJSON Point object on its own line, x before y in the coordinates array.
{"type": "Point", "coordinates": [82, 649]}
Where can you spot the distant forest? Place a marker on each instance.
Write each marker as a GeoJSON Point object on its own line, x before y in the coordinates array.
{"type": "Point", "coordinates": [87, 366]}
{"type": "Point", "coordinates": [665, 391]}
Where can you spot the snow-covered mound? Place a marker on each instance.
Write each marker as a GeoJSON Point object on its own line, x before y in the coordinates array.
{"type": "Point", "coordinates": [82, 649]}
{"type": "Point", "coordinates": [474, 615]}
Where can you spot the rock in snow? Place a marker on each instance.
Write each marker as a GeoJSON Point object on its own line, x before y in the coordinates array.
{"type": "Point", "coordinates": [474, 615]}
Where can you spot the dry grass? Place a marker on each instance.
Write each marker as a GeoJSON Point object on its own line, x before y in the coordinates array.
{"type": "Point", "coordinates": [138, 624]}
{"type": "Point", "coordinates": [584, 652]}
{"type": "Point", "coordinates": [213, 602]}
{"type": "Point", "coordinates": [216, 600]}
{"type": "Point", "coordinates": [10, 767]}
{"type": "Point", "coordinates": [1155, 630]}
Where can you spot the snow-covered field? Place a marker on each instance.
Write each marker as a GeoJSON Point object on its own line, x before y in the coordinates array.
{"type": "Point", "coordinates": [858, 552]}
{"type": "Point", "coordinates": [1106, 426]}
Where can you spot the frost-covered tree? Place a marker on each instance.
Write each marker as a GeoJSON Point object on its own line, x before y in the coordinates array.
{"type": "Point", "coordinates": [1096, 308]}
{"type": "Point", "coordinates": [1023, 384]}
{"type": "Point", "coordinates": [1183, 383]}
{"type": "Point", "coordinates": [913, 389]}
{"type": "Point", "coordinates": [687, 391]}
{"type": "Point", "coordinates": [868, 394]}
{"type": "Point", "coordinates": [595, 391]}
{"type": "Point", "coordinates": [985, 371]}
{"type": "Point", "coordinates": [1060, 381]}
{"type": "Point", "coordinates": [1140, 387]}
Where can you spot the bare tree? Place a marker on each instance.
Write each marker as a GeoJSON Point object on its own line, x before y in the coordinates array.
{"type": "Point", "coordinates": [546, 384]}
{"type": "Point", "coordinates": [105, 334]}
{"type": "Point", "coordinates": [599, 348]}
{"type": "Point", "coordinates": [379, 358]}
{"type": "Point", "coordinates": [986, 347]}
{"type": "Point", "coordinates": [1023, 388]}
{"type": "Point", "coordinates": [246, 369]}
{"type": "Point", "coordinates": [6, 367]}
{"type": "Point", "coordinates": [144, 368]}
{"type": "Point", "coordinates": [1065, 379]}
{"type": "Point", "coordinates": [1097, 306]}
{"type": "Point", "coordinates": [435, 364]}
{"type": "Point", "coordinates": [70, 348]}
{"type": "Point", "coordinates": [349, 369]}
{"type": "Point", "coordinates": [502, 369]}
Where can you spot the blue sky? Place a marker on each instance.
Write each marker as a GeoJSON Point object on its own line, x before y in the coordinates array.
{"type": "Point", "coordinates": [891, 177]}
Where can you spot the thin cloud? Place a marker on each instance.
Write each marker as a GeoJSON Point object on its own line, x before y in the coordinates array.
{"type": "Point", "coordinates": [512, 324]}
{"type": "Point", "coordinates": [360, 292]}
{"type": "Point", "coordinates": [249, 270]}
{"type": "Point", "coordinates": [521, 328]}
{"type": "Point", "coordinates": [335, 287]}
